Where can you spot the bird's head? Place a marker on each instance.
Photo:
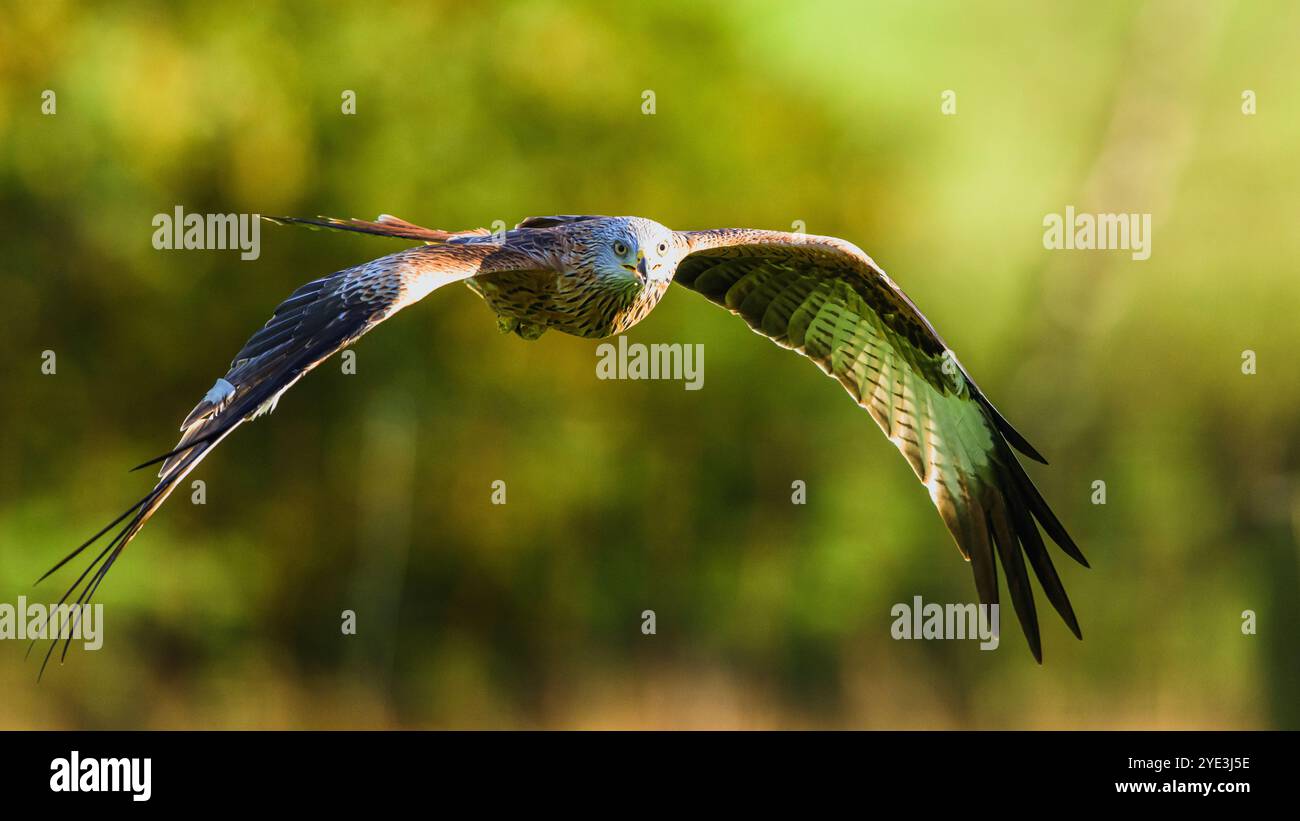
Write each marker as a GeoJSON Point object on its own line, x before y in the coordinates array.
{"type": "Point", "coordinates": [636, 250]}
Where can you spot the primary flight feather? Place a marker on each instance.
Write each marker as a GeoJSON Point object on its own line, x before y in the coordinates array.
{"type": "Point", "coordinates": [594, 277]}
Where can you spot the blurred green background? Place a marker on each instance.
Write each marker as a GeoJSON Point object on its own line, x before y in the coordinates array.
{"type": "Point", "coordinates": [371, 492]}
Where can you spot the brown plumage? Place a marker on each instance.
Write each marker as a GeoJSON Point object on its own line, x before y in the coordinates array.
{"type": "Point", "coordinates": [593, 277]}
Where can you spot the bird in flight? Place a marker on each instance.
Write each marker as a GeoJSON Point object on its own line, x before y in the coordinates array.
{"type": "Point", "coordinates": [595, 276]}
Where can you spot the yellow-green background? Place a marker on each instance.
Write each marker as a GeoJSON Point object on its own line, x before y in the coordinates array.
{"type": "Point", "coordinates": [371, 492]}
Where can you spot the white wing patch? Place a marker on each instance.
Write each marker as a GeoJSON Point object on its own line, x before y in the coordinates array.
{"type": "Point", "coordinates": [211, 403]}
{"type": "Point", "coordinates": [219, 393]}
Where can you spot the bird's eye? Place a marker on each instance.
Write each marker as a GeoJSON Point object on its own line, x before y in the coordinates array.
{"type": "Point", "coordinates": [663, 248]}
{"type": "Point", "coordinates": [620, 248]}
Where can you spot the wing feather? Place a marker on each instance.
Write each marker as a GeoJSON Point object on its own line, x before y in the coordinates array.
{"type": "Point", "coordinates": [385, 225]}
{"type": "Point", "coordinates": [827, 300]}
{"type": "Point", "coordinates": [315, 321]}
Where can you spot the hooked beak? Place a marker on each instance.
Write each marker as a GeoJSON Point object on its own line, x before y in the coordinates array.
{"type": "Point", "coordinates": [641, 271]}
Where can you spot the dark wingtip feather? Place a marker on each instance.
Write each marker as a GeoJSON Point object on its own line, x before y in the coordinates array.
{"type": "Point", "coordinates": [1005, 531]}
{"type": "Point", "coordinates": [1013, 567]}
{"type": "Point", "coordinates": [139, 514]}
{"type": "Point", "coordinates": [1021, 444]}
{"type": "Point", "coordinates": [1041, 562]}
{"type": "Point", "coordinates": [1013, 436]}
{"type": "Point", "coordinates": [176, 452]}
{"type": "Point", "coordinates": [142, 510]}
{"type": "Point", "coordinates": [1008, 431]}
{"type": "Point", "coordinates": [1038, 506]}
{"type": "Point", "coordinates": [77, 551]}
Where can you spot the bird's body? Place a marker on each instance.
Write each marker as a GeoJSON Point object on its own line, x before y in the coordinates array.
{"type": "Point", "coordinates": [594, 277]}
{"type": "Point", "coordinates": [569, 294]}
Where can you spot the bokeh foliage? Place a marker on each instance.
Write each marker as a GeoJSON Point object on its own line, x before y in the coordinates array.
{"type": "Point", "coordinates": [371, 492]}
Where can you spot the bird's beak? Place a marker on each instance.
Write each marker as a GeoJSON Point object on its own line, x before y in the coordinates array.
{"type": "Point", "coordinates": [641, 267]}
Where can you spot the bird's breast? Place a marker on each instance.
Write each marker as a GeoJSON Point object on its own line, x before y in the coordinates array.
{"type": "Point", "coordinates": [570, 302]}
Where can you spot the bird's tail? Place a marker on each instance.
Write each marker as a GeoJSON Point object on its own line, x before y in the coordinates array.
{"type": "Point", "coordinates": [385, 226]}
{"type": "Point", "coordinates": [178, 464]}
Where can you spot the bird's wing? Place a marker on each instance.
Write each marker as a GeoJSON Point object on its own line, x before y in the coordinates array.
{"type": "Point", "coordinates": [315, 321]}
{"type": "Point", "coordinates": [557, 220]}
{"type": "Point", "coordinates": [385, 225]}
{"type": "Point", "coordinates": [826, 299]}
